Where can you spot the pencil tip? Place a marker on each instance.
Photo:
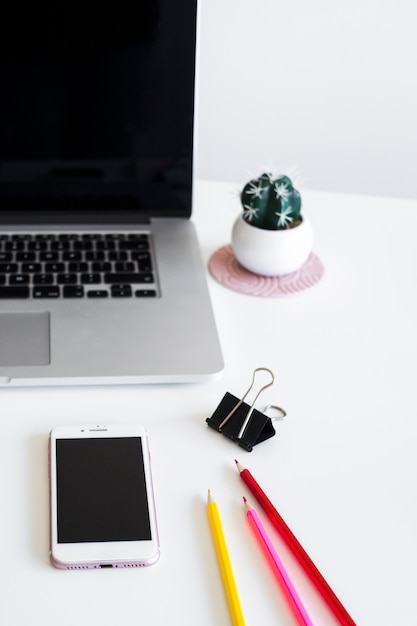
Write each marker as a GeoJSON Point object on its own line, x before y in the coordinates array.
{"type": "Point", "coordinates": [238, 465]}
{"type": "Point", "coordinates": [247, 505]}
{"type": "Point", "coordinates": [209, 496]}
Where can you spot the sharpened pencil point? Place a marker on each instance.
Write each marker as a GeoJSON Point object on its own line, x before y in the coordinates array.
{"type": "Point", "coordinates": [239, 466]}
{"type": "Point", "coordinates": [247, 505]}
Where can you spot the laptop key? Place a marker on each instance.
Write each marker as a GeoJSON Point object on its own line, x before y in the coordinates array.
{"type": "Point", "coordinates": [60, 245]}
{"type": "Point", "coordinates": [141, 236]}
{"type": "Point", "coordinates": [35, 246]}
{"type": "Point", "coordinates": [14, 292]}
{"type": "Point", "coordinates": [43, 279]}
{"type": "Point", "coordinates": [68, 237]}
{"type": "Point", "coordinates": [8, 268]}
{"type": "Point", "coordinates": [127, 277]}
{"type": "Point", "coordinates": [134, 245]}
{"type": "Point", "coordinates": [121, 291]}
{"type": "Point", "coordinates": [19, 279]}
{"type": "Point", "coordinates": [54, 267]}
{"type": "Point", "coordinates": [73, 291]}
{"type": "Point", "coordinates": [72, 256]}
{"type": "Point", "coordinates": [51, 257]}
{"type": "Point", "coordinates": [67, 279]}
{"type": "Point", "coordinates": [115, 236]}
{"type": "Point", "coordinates": [51, 291]}
{"type": "Point", "coordinates": [97, 293]}
{"type": "Point", "coordinates": [45, 237]}
{"type": "Point", "coordinates": [31, 268]}
{"type": "Point", "coordinates": [92, 237]}
{"type": "Point", "coordinates": [25, 257]}
{"type": "Point", "coordinates": [145, 293]}
{"type": "Point", "coordinates": [143, 259]}
{"type": "Point", "coordinates": [90, 279]}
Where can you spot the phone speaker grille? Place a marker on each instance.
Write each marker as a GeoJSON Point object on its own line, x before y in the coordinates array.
{"type": "Point", "coordinates": [83, 567]}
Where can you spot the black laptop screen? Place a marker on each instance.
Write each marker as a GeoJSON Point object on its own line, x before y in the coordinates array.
{"type": "Point", "coordinates": [96, 107]}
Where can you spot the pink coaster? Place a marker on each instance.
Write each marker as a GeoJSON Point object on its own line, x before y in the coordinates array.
{"type": "Point", "coordinates": [227, 271]}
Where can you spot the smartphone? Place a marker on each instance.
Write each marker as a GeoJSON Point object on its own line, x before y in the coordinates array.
{"type": "Point", "coordinates": [102, 509]}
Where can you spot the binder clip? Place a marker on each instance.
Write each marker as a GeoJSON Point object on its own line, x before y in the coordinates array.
{"type": "Point", "coordinates": [240, 421]}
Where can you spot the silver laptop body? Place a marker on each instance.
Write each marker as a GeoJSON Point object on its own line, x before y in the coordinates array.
{"type": "Point", "coordinates": [96, 141]}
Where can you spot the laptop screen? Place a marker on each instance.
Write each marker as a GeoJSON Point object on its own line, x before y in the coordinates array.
{"type": "Point", "coordinates": [96, 109]}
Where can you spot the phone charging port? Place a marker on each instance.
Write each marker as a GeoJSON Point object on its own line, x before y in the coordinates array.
{"type": "Point", "coordinates": [103, 565]}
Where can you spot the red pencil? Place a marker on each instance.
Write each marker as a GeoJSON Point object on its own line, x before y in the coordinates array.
{"type": "Point", "coordinates": [297, 549]}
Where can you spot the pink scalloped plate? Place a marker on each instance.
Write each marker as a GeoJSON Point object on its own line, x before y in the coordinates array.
{"type": "Point", "coordinates": [228, 272]}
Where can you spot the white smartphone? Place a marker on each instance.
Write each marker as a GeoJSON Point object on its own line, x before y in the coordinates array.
{"type": "Point", "coordinates": [102, 506]}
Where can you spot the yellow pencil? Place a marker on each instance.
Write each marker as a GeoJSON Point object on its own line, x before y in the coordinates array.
{"type": "Point", "coordinates": [224, 563]}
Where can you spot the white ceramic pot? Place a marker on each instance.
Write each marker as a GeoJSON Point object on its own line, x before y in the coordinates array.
{"type": "Point", "coordinates": [272, 252]}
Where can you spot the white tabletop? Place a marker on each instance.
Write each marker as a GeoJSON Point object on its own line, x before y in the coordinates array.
{"type": "Point", "coordinates": [342, 469]}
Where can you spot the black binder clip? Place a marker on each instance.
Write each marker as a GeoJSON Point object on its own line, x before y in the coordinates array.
{"type": "Point", "coordinates": [243, 423]}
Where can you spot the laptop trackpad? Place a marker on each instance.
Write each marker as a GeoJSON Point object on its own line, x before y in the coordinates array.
{"type": "Point", "coordinates": [24, 339]}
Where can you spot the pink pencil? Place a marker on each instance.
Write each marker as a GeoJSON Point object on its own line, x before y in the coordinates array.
{"type": "Point", "coordinates": [278, 568]}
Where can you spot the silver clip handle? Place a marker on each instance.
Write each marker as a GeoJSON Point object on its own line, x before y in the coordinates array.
{"type": "Point", "coordinates": [248, 416]}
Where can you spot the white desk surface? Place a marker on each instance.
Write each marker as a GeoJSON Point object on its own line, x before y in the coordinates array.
{"type": "Point", "coordinates": [342, 469]}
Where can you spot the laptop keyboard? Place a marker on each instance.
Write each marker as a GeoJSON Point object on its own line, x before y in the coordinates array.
{"type": "Point", "coordinates": [66, 265]}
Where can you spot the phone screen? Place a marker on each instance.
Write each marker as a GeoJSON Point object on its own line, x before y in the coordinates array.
{"type": "Point", "coordinates": [101, 490]}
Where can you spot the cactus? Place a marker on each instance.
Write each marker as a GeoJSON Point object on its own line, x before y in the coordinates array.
{"type": "Point", "coordinates": [271, 203]}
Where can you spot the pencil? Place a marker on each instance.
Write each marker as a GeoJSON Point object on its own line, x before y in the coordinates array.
{"type": "Point", "coordinates": [296, 548]}
{"type": "Point", "coordinates": [277, 566]}
{"type": "Point", "coordinates": [224, 563]}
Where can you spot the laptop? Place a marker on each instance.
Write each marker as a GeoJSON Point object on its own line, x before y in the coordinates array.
{"type": "Point", "coordinates": [101, 277]}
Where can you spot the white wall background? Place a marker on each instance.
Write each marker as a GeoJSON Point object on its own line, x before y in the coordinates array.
{"type": "Point", "coordinates": [327, 87]}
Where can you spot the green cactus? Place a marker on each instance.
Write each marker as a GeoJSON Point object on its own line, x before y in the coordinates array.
{"type": "Point", "coordinates": [271, 203]}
